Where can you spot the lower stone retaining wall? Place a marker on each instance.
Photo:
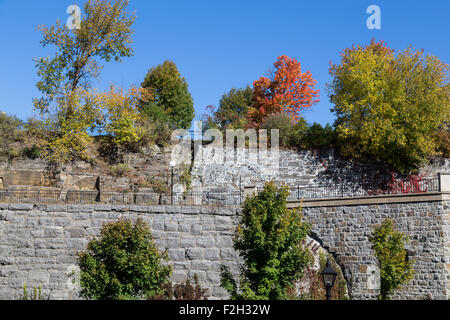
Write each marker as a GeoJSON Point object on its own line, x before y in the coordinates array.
{"type": "Point", "coordinates": [38, 243]}
{"type": "Point", "coordinates": [344, 231]}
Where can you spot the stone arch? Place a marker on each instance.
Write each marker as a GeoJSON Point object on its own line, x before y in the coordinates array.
{"type": "Point", "coordinates": [346, 272]}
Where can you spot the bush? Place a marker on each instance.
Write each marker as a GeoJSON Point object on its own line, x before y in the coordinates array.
{"type": "Point", "coordinates": [36, 295]}
{"type": "Point", "coordinates": [11, 131]}
{"type": "Point", "coordinates": [317, 289]}
{"type": "Point", "coordinates": [320, 138]}
{"type": "Point", "coordinates": [123, 264]}
{"type": "Point", "coordinates": [183, 291]}
{"type": "Point", "coordinates": [119, 170]}
{"type": "Point", "coordinates": [186, 177]}
{"type": "Point", "coordinates": [159, 186]}
{"type": "Point", "coordinates": [389, 247]}
{"type": "Point", "coordinates": [442, 138]}
{"type": "Point", "coordinates": [291, 133]}
{"type": "Point", "coordinates": [32, 153]}
{"type": "Point", "coordinates": [268, 239]}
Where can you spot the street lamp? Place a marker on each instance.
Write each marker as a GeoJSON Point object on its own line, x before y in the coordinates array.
{"type": "Point", "coordinates": [172, 165]}
{"type": "Point", "coordinates": [328, 277]}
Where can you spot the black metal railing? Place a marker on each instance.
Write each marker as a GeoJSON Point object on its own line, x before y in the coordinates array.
{"type": "Point", "coordinates": [93, 197]}
{"type": "Point", "coordinates": [345, 190]}
{"type": "Point", "coordinates": [194, 198]}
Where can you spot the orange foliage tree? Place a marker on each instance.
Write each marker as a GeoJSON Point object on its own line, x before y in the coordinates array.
{"type": "Point", "coordinates": [287, 90]}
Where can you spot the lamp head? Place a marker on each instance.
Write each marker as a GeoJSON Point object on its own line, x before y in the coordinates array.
{"type": "Point", "coordinates": [329, 275]}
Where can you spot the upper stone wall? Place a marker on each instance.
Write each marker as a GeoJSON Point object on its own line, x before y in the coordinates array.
{"type": "Point", "coordinates": [294, 168]}
{"type": "Point", "coordinates": [79, 175]}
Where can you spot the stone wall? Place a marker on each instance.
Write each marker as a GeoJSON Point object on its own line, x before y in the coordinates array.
{"type": "Point", "coordinates": [295, 168]}
{"type": "Point", "coordinates": [151, 164]}
{"type": "Point", "coordinates": [344, 229]}
{"type": "Point", "coordinates": [38, 244]}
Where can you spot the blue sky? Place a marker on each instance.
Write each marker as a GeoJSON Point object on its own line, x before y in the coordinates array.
{"type": "Point", "coordinates": [218, 45]}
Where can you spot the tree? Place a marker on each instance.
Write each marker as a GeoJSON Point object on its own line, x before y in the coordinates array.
{"type": "Point", "coordinates": [67, 137]}
{"type": "Point", "coordinates": [11, 131]}
{"type": "Point", "coordinates": [172, 103]}
{"type": "Point", "coordinates": [269, 239]}
{"type": "Point", "coordinates": [123, 116]}
{"type": "Point", "coordinates": [104, 35]}
{"type": "Point", "coordinates": [287, 90]}
{"type": "Point", "coordinates": [123, 263]}
{"type": "Point", "coordinates": [232, 110]}
{"type": "Point", "coordinates": [319, 138]}
{"type": "Point", "coordinates": [389, 247]}
{"type": "Point", "coordinates": [388, 105]}
{"type": "Point", "coordinates": [291, 133]}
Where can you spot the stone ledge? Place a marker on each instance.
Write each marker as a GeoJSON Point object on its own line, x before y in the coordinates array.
{"type": "Point", "coordinates": [153, 209]}
{"type": "Point", "coordinates": [370, 200]}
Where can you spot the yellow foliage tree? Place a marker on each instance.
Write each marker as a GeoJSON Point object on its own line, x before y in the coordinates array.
{"type": "Point", "coordinates": [389, 105]}
{"type": "Point", "coordinates": [123, 117]}
{"type": "Point", "coordinates": [68, 135]}
{"type": "Point", "coordinates": [104, 35]}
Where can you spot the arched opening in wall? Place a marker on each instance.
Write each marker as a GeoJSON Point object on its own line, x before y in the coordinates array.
{"type": "Point", "coordinates": [311, 286]}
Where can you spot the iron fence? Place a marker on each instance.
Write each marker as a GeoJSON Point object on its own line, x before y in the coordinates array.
{"type": "Point", "coordinates": [194, 198]}
{"type": "Point", "coordinates": [345, 190]}
{"type": "Point", "coordinates": [30, 196]}
{"type": "Point", "coordinates": [93, 197]}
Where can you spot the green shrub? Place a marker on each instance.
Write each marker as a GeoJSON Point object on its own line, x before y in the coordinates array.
{"type": "Point", "coordinates": [159, 186]}
{"type": "Point", "coordinates": [268, 239]}
{"type": "Point", "coordinates": [291, 133]}
{"type": "Point", "coordinates": [186, 177]}
{"type": "Point", "coordinates": [32, 153]}
{"type": "Point", "coordinates": [316, 285]}
{"type": "Point", "coordinates": [11, 131]}
{"type": "Point", "coordinates": [319, 138]}
{"type": "Point", "coordinates": [119, 170]}
{"type": "Point", "coordinates": [442, 139]}
{"type": "Point", "coordinates": [389, 247]}
{"type": "Point", "coordinates": [123, 264]}
{"type": "Point", "coordinates": [183, 291]}
{"type": "Point", "coordinates": [36, 295]}
{"type": "Point", "coordinates": [10, 153]}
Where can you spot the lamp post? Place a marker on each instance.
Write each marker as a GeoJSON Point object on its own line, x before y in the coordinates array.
{"type": "Point", "coordinates": [328, 277]}
{"type": "Point", "coordinates": [172, 165]}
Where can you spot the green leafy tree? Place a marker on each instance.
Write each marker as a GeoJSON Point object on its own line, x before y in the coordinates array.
{"type": "Point", "coordinates": [389, 247]}
{"type": "Point", "coordinates": [172, 103]}
{"type": "Point", "coordinates": [104, 35]}
{"type": "Point", "coordinates": [389, 104]}
{"type": "Point", "coordinates": [232, 110]}
{"type": "Point", "coordinates": [269, 239]}
{"type": "Point", "coordinates": [11, 131]}
{"type": "Point", "coordinates": [123, 264]}
{"type": "Point", "coordinates": [318, 137]}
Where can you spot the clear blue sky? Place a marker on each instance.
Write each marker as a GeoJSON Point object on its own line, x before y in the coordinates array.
{"type": "Point", "coordinates": [218, 45]}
